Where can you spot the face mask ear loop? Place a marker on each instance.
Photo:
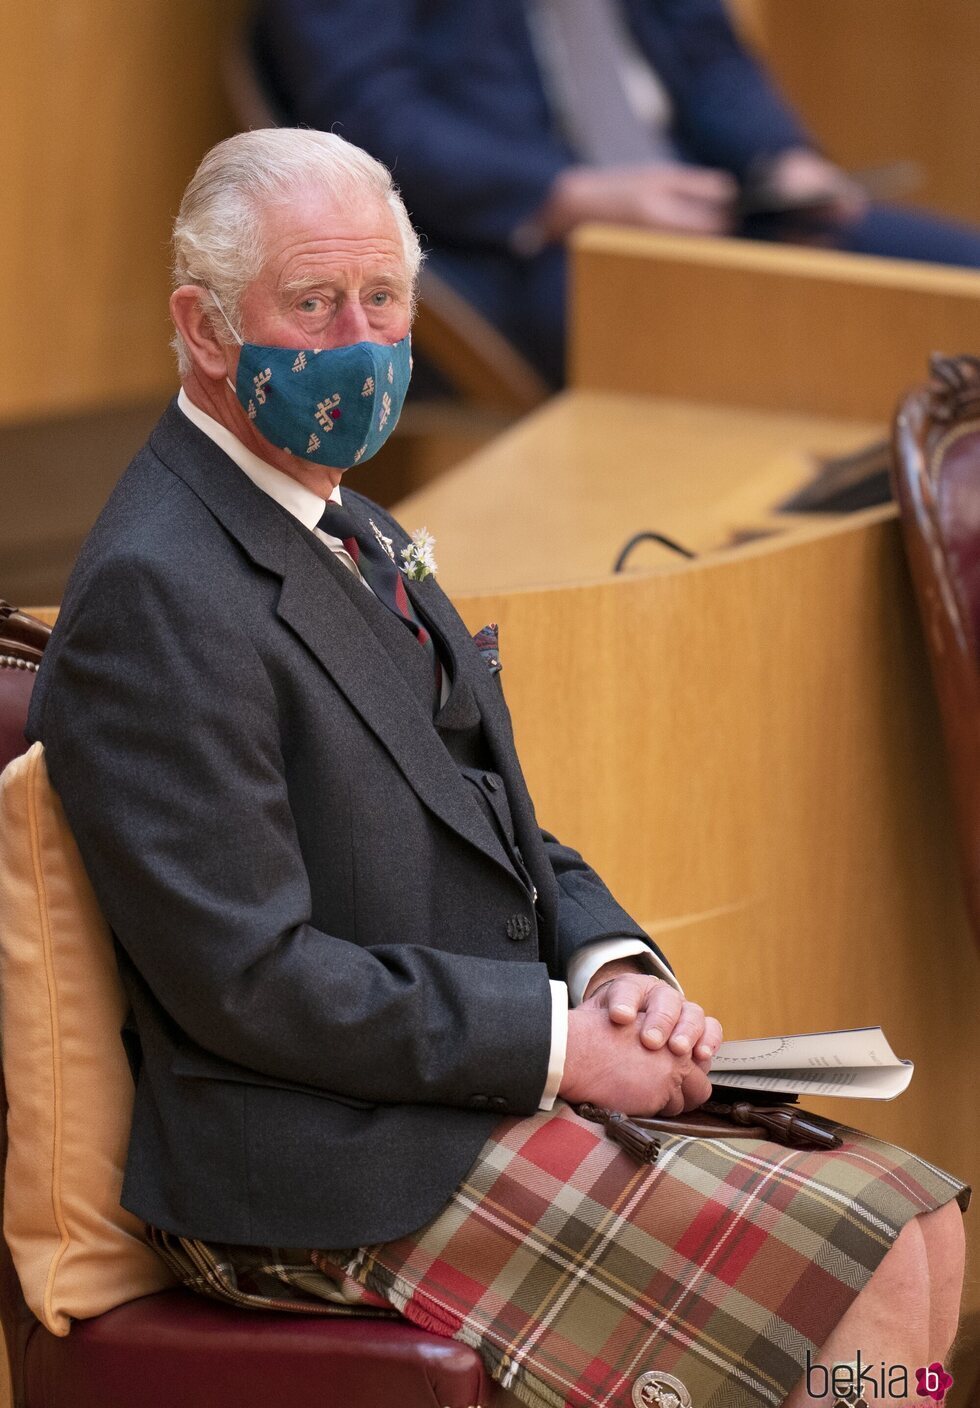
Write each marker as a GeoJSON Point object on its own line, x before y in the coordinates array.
{"type": "Point", "coordinates": [217, 304]}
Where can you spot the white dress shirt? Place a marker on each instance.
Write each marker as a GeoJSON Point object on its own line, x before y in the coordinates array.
{"type": "Point", "coordinates": [303, 504]}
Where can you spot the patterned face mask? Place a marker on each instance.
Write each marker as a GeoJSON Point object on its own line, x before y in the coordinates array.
{"type": "Point", "coordinates": [335, 406]}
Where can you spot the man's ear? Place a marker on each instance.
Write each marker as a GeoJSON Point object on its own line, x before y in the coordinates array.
{"type": "Point", "coordinates": [187, 308]}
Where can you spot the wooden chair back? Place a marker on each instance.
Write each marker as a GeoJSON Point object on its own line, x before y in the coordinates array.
{"type": "Point", "coordinates": [937, 486]}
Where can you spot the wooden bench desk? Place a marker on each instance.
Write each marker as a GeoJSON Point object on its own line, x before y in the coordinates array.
{"type": "Point", "coordinates": [742, 323]}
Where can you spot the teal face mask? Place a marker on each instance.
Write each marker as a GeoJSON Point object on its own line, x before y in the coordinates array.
{"type": "Point", "coordinates": [336, 406]}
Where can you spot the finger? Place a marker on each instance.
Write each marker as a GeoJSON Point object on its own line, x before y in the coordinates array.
{"type": "Point", "coordinates": [688, 1031]}
{"type": "Point", "coordinates": [702, 217]}
{"type": "Point", "coordinates": [704, 184]}
{"type": "Point", "coordinates": [695, 1089]}
{"type": "Point", "coordinates": [667, 211]}
{"type": "Point", "coordinates": [624, 997]}
{"type": "Point", "coordinates": [707, 1047]}
{"type": "Point", "coordinates": [704, 220]}
{"type": "Point", "coordinates": [663, 1007]}
{"type": "Point", "coordinates": [674, 1106]}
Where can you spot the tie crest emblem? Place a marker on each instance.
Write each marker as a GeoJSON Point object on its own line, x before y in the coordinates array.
{"type": "Point", "coordinates": [385, 542]}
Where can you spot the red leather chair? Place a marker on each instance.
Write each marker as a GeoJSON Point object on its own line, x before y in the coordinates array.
{"type": "Point", "coordinates": [937, 487]}
{"type": "Point", "coordinates": [22, 642]}
{"type": "Point", "coordinates": [176, 1348]}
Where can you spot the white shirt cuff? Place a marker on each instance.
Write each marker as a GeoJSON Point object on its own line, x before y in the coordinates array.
{"type": "Point", "coordinates": [559, 1040]}
{"type": "Point", "coordinates": [585, 962]}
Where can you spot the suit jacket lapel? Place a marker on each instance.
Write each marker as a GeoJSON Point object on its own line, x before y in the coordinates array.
{"type": "Point", "coordinates": [431, 601]}
{"type": "Point", "coordinates": [254, 520]}
{"type": "Point", "coordinates": [472, 680]}
{"type": "Point", "coordinates": [317, 602]}
{"type": "Point", "coordinates": [332, 626]}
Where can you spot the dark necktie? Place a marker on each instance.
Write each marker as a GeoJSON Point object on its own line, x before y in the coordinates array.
{"type": "Point", "coordinates": [375, 559]}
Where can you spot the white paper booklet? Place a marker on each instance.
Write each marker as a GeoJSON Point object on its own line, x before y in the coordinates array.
{"type": "Point", "coordinates": [858, 1063]}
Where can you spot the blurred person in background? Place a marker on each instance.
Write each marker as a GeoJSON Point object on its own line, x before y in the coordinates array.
{"type": "Point", "coordinates": [510, 122]}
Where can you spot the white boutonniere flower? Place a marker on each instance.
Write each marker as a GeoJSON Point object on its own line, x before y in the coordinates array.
{"type": "Point", "coordinates": [418, 559]}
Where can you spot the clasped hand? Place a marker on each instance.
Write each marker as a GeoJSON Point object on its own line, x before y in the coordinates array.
{"type": "Point", "coordinates": [636, 1045]}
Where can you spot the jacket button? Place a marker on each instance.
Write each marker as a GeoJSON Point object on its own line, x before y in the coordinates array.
{"type": "Point", "coordinates": [518, 928]}
{"type": "Point", "coordinates": [479, 1102]}
{"type": "Point", "coordinates": [497, 1102]}
{"type": "Point", "coordinates": [490, 782]}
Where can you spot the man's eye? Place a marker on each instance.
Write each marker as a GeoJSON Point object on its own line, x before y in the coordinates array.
{"type": "Point", "coordinates": [380, 297]}
{"type": "Point", "coordinates": [309, 305]}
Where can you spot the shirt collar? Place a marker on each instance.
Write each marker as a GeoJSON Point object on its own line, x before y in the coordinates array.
{"type": "Point", "coordinates": [294, 497]}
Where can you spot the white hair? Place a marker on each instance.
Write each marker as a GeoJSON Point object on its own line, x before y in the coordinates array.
{"type": "Point", "coordinates": [217, 238]}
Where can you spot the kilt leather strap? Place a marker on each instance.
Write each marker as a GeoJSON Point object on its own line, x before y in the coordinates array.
{"type": "Point", "coordinates": [783, 1124]}
{"type": "Point", "coordinates": [715, 1119]}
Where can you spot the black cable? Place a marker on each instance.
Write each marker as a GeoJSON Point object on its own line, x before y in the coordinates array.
{"type": "Point", "coordinates": [652, 538]}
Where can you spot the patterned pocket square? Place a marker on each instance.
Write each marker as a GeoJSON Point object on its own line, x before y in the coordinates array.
{"type": "Point", "coordinates": [487, 643]}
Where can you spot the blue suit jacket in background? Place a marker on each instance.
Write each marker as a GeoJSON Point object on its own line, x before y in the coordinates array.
{"type": "Point", "coordinates": [448, 94]}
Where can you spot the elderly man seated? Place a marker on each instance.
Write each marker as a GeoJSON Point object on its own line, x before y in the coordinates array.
{"type": "Point", "coordinates": [368, 991]}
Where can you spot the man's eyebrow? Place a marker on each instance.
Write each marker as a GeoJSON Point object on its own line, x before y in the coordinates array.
{"type": "Point", "coordinates": [306, 284]}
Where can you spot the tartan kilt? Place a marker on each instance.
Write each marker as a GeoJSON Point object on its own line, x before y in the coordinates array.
{"type": "Point", "coordinates": [573, 1270]}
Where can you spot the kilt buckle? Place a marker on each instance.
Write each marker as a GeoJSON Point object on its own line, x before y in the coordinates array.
{"type": "Point", "coordinates": [656, 1390]}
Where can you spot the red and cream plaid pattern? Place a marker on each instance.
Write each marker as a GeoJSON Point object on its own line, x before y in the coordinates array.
{"type": "Point", "coordinates": [573, 1270]}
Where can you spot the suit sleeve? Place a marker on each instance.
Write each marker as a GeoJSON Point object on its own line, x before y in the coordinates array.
{"type": "Point", "coordinates": [587, 911]}
{"type": "Point", "coordinates": [728, 111]}
{"type": "Point", "coordinates": [162, 735]}
{"type": "Point", "coordinates": [350, 66]}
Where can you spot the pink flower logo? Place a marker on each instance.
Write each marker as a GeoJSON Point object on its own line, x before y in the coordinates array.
{"type": "Point", "coordinates": [933, 1382]}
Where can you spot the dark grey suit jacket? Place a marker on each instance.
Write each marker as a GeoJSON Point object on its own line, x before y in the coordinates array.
{"type": "Point", "coordinates": [339, 976]}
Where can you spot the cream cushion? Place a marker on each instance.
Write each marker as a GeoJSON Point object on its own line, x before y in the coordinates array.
{"type": "Point", "coordinates": [69, 1087]}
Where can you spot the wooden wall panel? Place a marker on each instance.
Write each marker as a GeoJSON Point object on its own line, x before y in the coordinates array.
{"type": "Point", "coordinates": [107, 106]}
{"type": "Point", "coordinates": [741, 323]}
{"type": "Point", "coordinates": [750, 18]}
{"type": "Point", "coordinates": [880, 80]}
